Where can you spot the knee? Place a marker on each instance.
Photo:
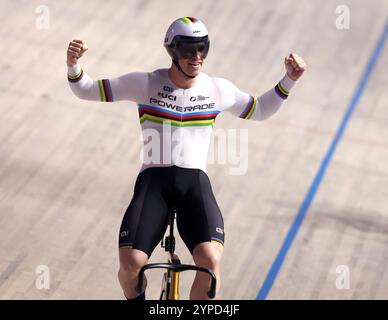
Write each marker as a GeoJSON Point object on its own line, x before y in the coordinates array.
{"type": "Point", "coordinates": [131, 260]}
{"type": "Point", "coordinates": [208, 256]}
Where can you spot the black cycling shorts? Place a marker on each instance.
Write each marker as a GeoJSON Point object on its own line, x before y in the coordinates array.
{"type": "Point", "coordinates": [158, 189]}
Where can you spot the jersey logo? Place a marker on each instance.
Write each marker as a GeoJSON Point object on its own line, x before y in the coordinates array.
{"type": "Point", "coordinates": [167, 96]}
{"type": "Point", "coordinates": [198, 98]}
{"type": "Point", "coordinates": [167, 88]}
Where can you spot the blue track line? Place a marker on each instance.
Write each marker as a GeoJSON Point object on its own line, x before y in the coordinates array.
{"type": "Point", "coordinates": [277, 264]}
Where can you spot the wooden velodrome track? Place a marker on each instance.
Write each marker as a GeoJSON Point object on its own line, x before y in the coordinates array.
{"type": "Point", "coordinates": [68, 167]}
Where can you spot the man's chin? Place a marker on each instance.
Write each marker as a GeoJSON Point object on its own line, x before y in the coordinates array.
{"type": "Point", "coordinates": [193, 71]}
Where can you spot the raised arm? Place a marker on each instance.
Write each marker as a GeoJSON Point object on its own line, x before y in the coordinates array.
{"type": "Point", "coordinates": [248, 107]}
{"type": "Point", "coordinates": [130, 86]}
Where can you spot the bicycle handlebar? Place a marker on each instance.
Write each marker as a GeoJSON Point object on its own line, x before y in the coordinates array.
{"type": "Point", "coordinates": [179, 268]}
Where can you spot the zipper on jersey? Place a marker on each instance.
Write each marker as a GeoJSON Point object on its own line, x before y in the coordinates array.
{"type": "Point", "coordinates": [184, 103]}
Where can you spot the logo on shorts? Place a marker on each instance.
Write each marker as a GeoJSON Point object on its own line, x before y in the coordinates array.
{"type": "Point", "coordinates": [219, 230]}
{"type": "Point", "coordinates": [123, 233]}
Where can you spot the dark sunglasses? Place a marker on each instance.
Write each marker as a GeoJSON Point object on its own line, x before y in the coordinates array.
{"type": "Point", "coordinates": [187, 50]}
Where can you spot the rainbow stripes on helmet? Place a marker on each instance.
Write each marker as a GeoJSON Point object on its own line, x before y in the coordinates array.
{"type": "Point", "coordinates": [189, 19]}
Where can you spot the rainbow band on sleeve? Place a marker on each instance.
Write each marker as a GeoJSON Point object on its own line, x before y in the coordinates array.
{"type": "Point", "coordinates": [106, 94]}
{"type": "Point", "coordinates": [249, 109]}
{"type": "Point", "coordinates": [75, 78]}
{"type": "Point", "coordinates": [282, 93]}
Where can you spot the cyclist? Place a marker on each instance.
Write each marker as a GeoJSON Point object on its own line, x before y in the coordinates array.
{"type": "Point", "coordinates": [180, 105]}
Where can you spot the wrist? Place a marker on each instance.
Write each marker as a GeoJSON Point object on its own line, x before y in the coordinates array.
{"type": "Point", "coordinates": [287, 82]}
{"type": "Point", "coordinates": [290, 77]}
{"type": "Point", "coordinates": [70, 64]}
{"type": "Point", "coordinates": [74, 69]}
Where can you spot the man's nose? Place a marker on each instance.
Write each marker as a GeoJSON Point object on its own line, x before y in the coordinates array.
{"type": "Point", "coordinates": [196, 54]}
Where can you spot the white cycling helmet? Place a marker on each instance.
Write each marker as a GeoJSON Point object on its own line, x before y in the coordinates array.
{"type": "Point", "coordinates": [185, 27]}
{"type": "Point", "coordinates": [185, 35]}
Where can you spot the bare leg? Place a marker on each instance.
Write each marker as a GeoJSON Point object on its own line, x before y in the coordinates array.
{"type": "Point", "coordinates": [131, 261]}
{"type": "Point", "coordinates": [207, 255]}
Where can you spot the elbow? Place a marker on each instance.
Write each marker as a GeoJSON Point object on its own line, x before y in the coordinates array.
{"type": "Point", "coordinates": [268, 108]}
{"type": "Point", "coordinates": [81, 94]}
{"type": "Point", "coordinates": [262, 113]}
{"type": "Point", "coordinates": [268, 114]}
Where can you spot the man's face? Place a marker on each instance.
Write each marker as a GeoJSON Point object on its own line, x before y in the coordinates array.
{"type": "Point", "coordinates": [191, 66]}
{"type": "Point", "coordinates": [191, 56]}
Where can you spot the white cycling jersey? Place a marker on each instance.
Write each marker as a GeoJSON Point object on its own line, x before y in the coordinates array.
{"type": "Point", "coordinates": [177, 123]}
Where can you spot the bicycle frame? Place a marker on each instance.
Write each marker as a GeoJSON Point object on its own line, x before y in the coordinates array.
{"type": "Point", "coordinates": [170, 283]}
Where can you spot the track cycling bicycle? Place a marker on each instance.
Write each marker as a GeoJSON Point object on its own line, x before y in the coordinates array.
{"type": "Point", "coordinates": [170, 282]}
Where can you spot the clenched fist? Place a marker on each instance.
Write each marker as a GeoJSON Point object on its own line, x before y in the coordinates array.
{"type": "Point", "coordinates": [75, 51]}
{"type": "Point", "coordinates": [295, 66]}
